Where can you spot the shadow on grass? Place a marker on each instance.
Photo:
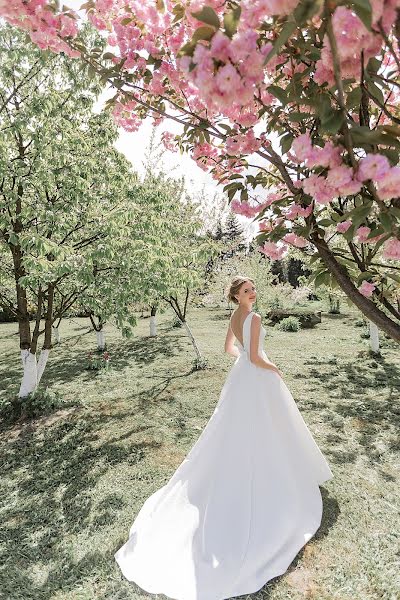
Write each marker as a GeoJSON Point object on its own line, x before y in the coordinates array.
{"type": "Point", "coordinates": [364, 391]}
{"type": "Point", "coordinates": [51, 474]}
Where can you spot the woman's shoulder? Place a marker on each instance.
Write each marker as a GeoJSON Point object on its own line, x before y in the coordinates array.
{"type": "Point", "coordinates": [256, 319]}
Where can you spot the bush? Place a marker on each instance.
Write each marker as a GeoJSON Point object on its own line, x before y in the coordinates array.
{"type": "Point", "coordinates": [199, 364]}
{"type": "Point", "coordinates": [98, 360]}
{"type": "Point", "coordinates": [308, 317]}
{"type": "Point", "coordinates": [39, 402]}
{"type": "Point", "coordinates": [289, 324]}
{"type": "Point", "coordinates": [176, 322]}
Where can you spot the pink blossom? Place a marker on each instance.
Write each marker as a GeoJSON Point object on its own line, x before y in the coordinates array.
{"type": "Point", "coordinates": [295, 210]}
{"type": "Point", "coordinates": [366, 288]}
{"type": "Point", "coordinates": [391, 249]}
{"type": "Point", "coordinates": [388, 186]}
{"type": "Point", "coordinates": [295, 240]}
{"type": "Point", "coordinates": [244, 208]}
{"type": "Point", "coordinates": [167, 139]}
{"type": "Point", "coordinates": [362, 233]}
{"type": "Point", "coordinates": [373, 166]}
{"type": "Point", "coordinates": [319, 189]}
{"type": "Point", "coordinates": [343, 226]}
{"type": "Point", "coordinates": [272, 250]}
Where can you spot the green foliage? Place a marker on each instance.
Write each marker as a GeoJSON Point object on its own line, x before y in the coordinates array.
{"type": "Point", "coordinates": [97, 361]}
{"type": "Point", "coordinates": [200, 364]}
{"type": "Point", "coordinates": [40, 402]}
{"type": "Point", "coordinates": [67, 194]}
{"type": "Point", "coordinates": [289, 324]}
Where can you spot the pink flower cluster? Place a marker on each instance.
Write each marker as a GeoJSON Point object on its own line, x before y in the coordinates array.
{"type": "Point", "coordinates": [273, 250]}
{"type": "Point", "coordinates": [228, 72]}
{"type": "Point", "coordinates": [295, 240]}
{"type": "Point", "coordinates": [245, 208]}
{"type": "Point", "coordinates": [362, 234]}
{"type": "Point", "coordinates": [315, 156]}
{"type": "Point", "coordinates": [255, 12]}
{"type": "Point", "coordinates": [376, 167]}
{"type": "Point", "coordinates": [168, 140]}
{"type": "Point", "coordinates": [391, 249]}
{"type": "Point", "coordinates": [353, 39]}
{"type": "Point", "coordinates": [341, 179]}
{"type": "Point", "coordinates": [206, 156]}
{"type": "Point", "coordinates": [243, 143]}
{"type": "Point", "coordinates": [295, 210]}
{"type": "Point", "coordinates": [125, 116]}
{"type": "Point", "coordinates": [344, 226]}
{"type": "Point", "coordinates": [45, 28]}
{"type": "Point", "coordinates": [366, 288]}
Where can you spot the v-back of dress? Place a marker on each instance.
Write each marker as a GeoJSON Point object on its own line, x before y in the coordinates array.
{"type": "Point", "coordinates": [241, 504]}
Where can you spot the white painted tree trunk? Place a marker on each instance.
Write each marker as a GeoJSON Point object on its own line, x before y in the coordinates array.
{"type": "Point", "coordinates": [33, 371]}
{"type": "Point", "coordinates": [374, 336]}
{"type": "Point", "coordinates": [56, 334]}
{"type": "Point", "coordinates": [192, 340]}
{"type": "Point", "coordinates": [153, 326]}
{"type": "Point", "coordinates": [101, 339]}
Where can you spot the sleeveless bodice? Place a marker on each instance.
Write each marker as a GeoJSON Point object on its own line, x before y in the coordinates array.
{"type": "Point", "coordinates": [245, 350]}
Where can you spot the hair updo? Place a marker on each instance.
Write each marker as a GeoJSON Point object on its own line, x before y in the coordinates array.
{"type": "Point", "coordinates": [234, 287]}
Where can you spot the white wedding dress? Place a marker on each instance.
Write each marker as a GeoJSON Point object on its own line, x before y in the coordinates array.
{"type": "Point", "coordinates": [242, 503]}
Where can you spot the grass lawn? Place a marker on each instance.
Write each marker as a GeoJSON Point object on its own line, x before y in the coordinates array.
{"type": "Point", "coordinates": [72, 482]}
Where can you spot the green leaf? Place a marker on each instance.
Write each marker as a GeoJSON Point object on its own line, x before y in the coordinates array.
{"type": "Point", "coordinates": [283, 37]}
{"type": "Point", "coordinates": [385, 220]}
{"type": "Point", "coordinates": [297, 117]}
{"type": "Point", "coordinates": [354, 98]}
{"type": "Point", "coordinates": [363, 10]}
{"type": "Point", "coordinates": [279, 93]}
{"type": "Point", "coordinates": [325, 222]}
{"type": "Point", "coordinates": [362, 276]}
{"type": "Point", "coordinates": [394, 276]}
{"type": "Point", "coordinates": [376, 92]}
{"type": "Point", "coordinates": [322, 278]}
{"type": "Point", "coordinates": [207, 15]}
{"type": "Point", "coordinates": [286, 142]}
{"type": "Point", "coordinates": [231, 21]}
{"type": "Point", "coordinates": [333, 122]}
{"type": "Point", "coordinates": [203, 33]}
{"type": "Point", "coordinates": [362, 135]}
{"type": "Point", "coordinates": [305, 10]}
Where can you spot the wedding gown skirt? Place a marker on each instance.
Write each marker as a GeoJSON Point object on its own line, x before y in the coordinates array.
{"type": "Point", "coordinates": [242, 503]}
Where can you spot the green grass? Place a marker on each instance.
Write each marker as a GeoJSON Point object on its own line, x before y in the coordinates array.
{"type": "Point", "coordinates": [73, 481]}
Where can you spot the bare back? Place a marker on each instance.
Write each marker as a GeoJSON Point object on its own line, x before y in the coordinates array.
{"type": "Point", "coordinates": [236, 324]}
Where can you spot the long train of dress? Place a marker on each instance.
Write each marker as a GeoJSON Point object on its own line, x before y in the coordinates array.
{"type": "Point", "coordinates": [241, 504]}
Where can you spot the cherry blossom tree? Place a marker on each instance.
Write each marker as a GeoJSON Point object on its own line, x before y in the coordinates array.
{"type": "Point", "coordinates": [291, 105]}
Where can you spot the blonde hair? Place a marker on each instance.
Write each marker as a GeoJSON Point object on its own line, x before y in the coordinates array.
{"type": "Point", "coordinates": [234, 287]}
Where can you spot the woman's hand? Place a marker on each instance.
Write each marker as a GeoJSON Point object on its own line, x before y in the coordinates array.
{"type": "Point", "coordinates": [276, 370]}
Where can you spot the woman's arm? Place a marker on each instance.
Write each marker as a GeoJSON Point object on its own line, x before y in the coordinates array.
{"type": "Point", "coordinates": [255, 358]}
{"type": "Point", "coordinates": [230, 348]}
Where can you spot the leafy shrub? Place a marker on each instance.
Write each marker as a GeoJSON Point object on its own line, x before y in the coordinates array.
{"type": "Point", "coordinates": [39, 402]}
{"type": "Point", "coordinates": [289, 324]}
{"type": "Point", "coordinates": [359, 323]}
{"type": "Point", "coordinates": [98, 360]}
{"type": "Point", "coordinates": [176, 322]}
{"type": "Point", "coordinates": [199, 364]}
{"type": "Point", "coordinates": [308, 317]}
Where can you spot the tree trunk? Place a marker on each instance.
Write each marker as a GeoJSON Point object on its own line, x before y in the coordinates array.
{"type": "Point", "coordinates": [153, 326]}
{"type": "Point", "coordinates": [56, 333]}
{"type": "Point", "coordinates": [33, 371]}
{"type": "Point", "coordinates": [374, 336]}
{"type": "Point", "coordinates": [366, 306]}
{"type": "Point", "coordinates": [198, 354]}
{"type": "Point", "coordinates": [101, 339]}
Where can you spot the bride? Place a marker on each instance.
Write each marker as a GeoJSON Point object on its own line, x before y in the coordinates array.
{"type": "Point", "coordinates": [245, 499]}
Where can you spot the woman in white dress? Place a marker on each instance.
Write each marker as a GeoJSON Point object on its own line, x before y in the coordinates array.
{"type": "Point", "coordinates": [245, 499]}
